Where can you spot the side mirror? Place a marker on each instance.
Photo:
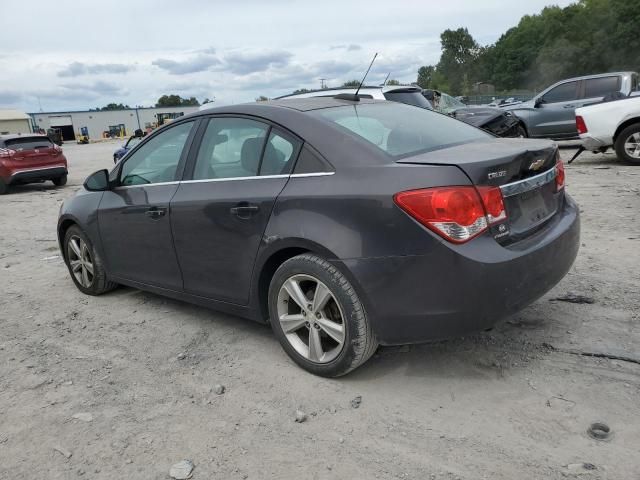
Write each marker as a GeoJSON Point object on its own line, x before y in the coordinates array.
{"type": "Point", "coordinates": [97, 181]}
{"type": "Point", "coordinates": [539, 101]}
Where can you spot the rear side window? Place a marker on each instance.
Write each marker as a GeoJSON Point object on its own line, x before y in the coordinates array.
{"type": "Point", "coordinates": [600, 87]}
{"type": "Point", "coordinates": [562, 93]}
{"type": "Point", "coordinates": [28, 143]}
{"type": "Point", "coordinates": [401, 130]}
{"type": "Point", "coordinates": [279, 154]}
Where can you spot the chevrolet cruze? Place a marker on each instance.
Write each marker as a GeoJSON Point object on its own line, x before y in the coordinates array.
{"type": "Point", "coordinates": [343, 222]}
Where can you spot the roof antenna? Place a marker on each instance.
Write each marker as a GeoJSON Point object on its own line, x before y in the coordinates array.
{"type": "Point", "coordinates": [385, 80]}
{"type": "Point", "coordinates": [354, 96]}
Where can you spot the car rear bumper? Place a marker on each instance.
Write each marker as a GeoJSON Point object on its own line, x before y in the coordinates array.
{"type": "Point", "coordinates": [459, 289]}
{"type": "Point", "coordinates": [593, 144]}
{"type": "Point", "coordinates": [34, 174]}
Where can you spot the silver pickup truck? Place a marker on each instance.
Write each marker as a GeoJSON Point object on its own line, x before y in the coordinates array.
{"type": "Point", "coordinates": [551, 113]}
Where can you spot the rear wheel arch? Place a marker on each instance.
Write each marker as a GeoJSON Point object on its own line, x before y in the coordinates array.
{"type": "Point", "coordinates": [270, 262]}
{"type": "Point", "coordinates": [624, 125]}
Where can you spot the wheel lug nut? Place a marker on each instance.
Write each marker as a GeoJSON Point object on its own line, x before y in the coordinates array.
{"type": "Point", "coordinates": [317, 314]}
{"type": "Point", "coordinates": [304, 314]}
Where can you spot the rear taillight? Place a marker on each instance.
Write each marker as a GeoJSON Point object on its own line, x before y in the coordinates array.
{"type": "Point", "coordinates": [580, 125]}
{"type": "Point", "coordinates": [6, 153]}
{"type": "Point", "coordinates": [559, 174]}
{"type": "Point", "coordinates": [455, 213]}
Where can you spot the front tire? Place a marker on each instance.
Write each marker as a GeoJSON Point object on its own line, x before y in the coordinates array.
{"type": "Point", "coordinates": [318, 318]}
{"type": "Point", "coordinates": [60, 181]}
{"type": "Point", "coordinates": [628, 144]}
{"type": "Point", "coordinates": [84, 263]}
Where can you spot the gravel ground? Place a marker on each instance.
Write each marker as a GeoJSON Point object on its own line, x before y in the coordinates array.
{"type": "Point", "coordinates": [124, 385]}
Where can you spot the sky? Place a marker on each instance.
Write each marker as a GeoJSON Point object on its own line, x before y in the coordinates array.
{"type": "Point", "coordinates": [72, 55]}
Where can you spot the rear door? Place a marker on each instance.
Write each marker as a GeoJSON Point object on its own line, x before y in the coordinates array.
{"type": "Point", "coordinates": [220, 214]}
{"type": "Point", "coordinates": [554, 117]}
{"type": "Point", "coordinates": [133, 217]}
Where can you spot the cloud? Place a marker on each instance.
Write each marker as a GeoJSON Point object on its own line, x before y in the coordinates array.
{"type": "Point", "coordinates": [197, 63]}
{"type": "Point", "coordinates": [242, 63]}
{"type": "Point", "coordinates": [75, 69]}
{"type": "Point", "coordinates": [352, 47]}
{"type": "Point", "coordinates": [95, 89]}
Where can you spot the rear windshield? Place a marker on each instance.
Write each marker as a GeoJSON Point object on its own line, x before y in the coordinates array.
{"type": "Point", "coordinates": [401, 130]}
{"type": "Point", "coordinates": [28, 143]}
{"type": "Point", "coordinates": [411, 97]}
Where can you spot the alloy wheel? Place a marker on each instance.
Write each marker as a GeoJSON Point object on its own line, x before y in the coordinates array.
{"type": "Point", "coordinates": [80, 261]}
{"type": "Point", "coordinates": [632, 145]}
{"type": "Point", "coordinates": [311, 318]}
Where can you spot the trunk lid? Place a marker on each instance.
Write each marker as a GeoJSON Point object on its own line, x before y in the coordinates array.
{"type": "Point", "coordinates": [523, 169]}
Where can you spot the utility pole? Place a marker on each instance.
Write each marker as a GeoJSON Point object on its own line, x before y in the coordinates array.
{"type": "Point", "coordinates": [322, 84]}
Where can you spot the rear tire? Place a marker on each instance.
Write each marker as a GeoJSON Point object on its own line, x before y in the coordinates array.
{"type": "Point", "coordinates": [79, 254]}
{"type": "Point", "coordinates": [338, 326]}
{"type": "Point", "coordinates": [4, 188]}
{"type": "Point", "coordinates": [60, 181]}
{"type": "Point", "coordinates": [624, 146]}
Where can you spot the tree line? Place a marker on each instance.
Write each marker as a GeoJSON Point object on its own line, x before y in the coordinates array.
{"type": "Point", "coordinates": [590, 36]}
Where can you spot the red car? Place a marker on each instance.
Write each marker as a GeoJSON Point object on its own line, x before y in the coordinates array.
{"type": "Point", "coordinates": [30, 158]}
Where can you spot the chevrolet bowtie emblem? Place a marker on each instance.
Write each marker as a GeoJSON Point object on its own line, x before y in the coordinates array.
{"type": "Point", "coordinates": [536, 164]}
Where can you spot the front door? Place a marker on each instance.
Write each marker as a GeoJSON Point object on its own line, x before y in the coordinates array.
{"type": "Point", "coordinates": [220, 215]}
{"type": "Point", "coordinates": [555, 116]}
{"type": "Point", "coordinates": [134, 217]}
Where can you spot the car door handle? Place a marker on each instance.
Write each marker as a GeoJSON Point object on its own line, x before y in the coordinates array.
{"type": "Point", "coordinates": [569, 106]}
{"type": "Point", "coordinates": [155, 213]}
{"type": "Point", "coordinates": [244, 210]}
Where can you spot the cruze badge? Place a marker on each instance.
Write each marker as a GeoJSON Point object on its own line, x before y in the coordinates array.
{"type": "Point", "coordinates": [536, 164]}
{"type": "Point", "coordinates": [498, 174]}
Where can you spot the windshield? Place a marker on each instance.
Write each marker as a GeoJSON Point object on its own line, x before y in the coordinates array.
{"type": "Point", "coordinates": [449, 104]}
{"type": "Point", "coordinates": [401, 130]}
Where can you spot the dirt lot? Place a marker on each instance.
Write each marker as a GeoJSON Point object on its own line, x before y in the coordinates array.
{"type": "Point", "coordinates": [513, 403]}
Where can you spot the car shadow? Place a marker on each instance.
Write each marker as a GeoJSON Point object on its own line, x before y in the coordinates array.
{"type": "Point", "coordinates": [515, 342]}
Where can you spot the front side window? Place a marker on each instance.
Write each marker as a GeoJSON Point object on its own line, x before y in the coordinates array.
{"type": "Point", "coordinates": [401, 130]}
{"type": "Point", "coordinates": [230, 148]}
{"type": "Point", "coordinates": [562, 93]}
{"type": "Point", "coordinates": [157, 160]}
{"type": "Point", "coordinates": [600, 87]}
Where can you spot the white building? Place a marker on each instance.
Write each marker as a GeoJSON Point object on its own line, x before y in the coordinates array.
{"type": "Point", "coordinates": [97, 123]}
{"type": "Point", "coordinates": [14, 121]}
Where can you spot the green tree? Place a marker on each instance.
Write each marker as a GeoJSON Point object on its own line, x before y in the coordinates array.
{"type": "Point", "coordinates": [425, 76]}
{"type": "Point", "coordinates": [351, 83]}
{"type": "Point", "coordinates": [459, 52]}
{"type": "Point", "coordinates": [393, 82]}
{"type": "Point", "coordinates": [262, 98]}
{"type": "Point", "coordinates": [176, 101]}
{"type": "Point", "coordinates": [301, 90]}
{"type": "Point", "coordinates": [114, 106]}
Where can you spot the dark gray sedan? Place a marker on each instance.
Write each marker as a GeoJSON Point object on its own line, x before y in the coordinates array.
{"type": "Point", "coordinates": [344, 223]}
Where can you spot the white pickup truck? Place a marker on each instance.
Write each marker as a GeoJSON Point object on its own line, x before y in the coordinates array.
{"type": "Point", "coordinates": [611, 124]}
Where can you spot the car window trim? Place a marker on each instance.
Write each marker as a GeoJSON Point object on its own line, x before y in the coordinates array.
{"type": "Point", "coordinates": [294, 139]}
{"type": "Point", "coordinates": [180, 168]}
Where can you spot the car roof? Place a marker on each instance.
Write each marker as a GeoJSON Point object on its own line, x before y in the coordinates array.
{"type": "Point", "coordinates": [596, 75]}
{"type": "Point", "coordinates": [11, 136]}
{"type": "Point", "coordinates": [299, 104]}
{"type": "Point", "coordinates": [335, 91]}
